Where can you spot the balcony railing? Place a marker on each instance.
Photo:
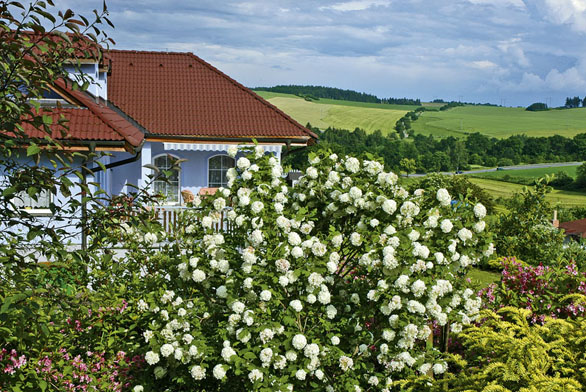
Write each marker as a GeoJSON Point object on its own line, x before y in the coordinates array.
{"type": "Point", "coordinates": [170, 218]}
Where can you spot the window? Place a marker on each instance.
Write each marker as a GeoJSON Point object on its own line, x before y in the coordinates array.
{"type": "Point", "coordinates": [40, 205]}
{"type": "Point", "coordinates": [218, 166]}
{"type": "Point", "coordinates": [167, 186]}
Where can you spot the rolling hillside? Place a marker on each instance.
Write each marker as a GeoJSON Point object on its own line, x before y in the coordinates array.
{"type": "Point", "coordinates": [326, 113]}
{"type": "Point", "coordinates": [501, 122]}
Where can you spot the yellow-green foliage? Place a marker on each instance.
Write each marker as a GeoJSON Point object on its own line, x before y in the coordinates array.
{"type": "Point", "coordinates": [506, 354]}
{"type": "Point", "coordinates": [502, 262]}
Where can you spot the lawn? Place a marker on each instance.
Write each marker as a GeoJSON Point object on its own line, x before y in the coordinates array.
{"type": "Point", "coordinates": [339, 114]}
{"type": "Point", "coordinates": [529, 173]}
{"type": "Point", "coordinates": [481, 279]}
{"type": "Point", "coordinates": [506, 189]}
{"type": "Point", "coordinates": [501, 122]}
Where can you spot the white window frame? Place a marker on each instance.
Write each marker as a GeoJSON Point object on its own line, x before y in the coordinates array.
{"type": "Point", "coordinates": [167, 155]}
{"type": "Point", "coordinates": [23, 197]}
{"type": "Point", "coordinates": [208, 171]}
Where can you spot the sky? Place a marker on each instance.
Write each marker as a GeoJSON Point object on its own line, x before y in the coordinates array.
{"type": "Point", "coordinates": [505, 52]}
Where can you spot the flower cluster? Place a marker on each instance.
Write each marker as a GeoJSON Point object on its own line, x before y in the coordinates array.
{"type": "Point", "coordinates": [345, 268]}
{"type": "Point", "coordinates": [547, 291]}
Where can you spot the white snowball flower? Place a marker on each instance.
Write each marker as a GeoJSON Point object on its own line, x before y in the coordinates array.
{"type": "Point", "coordinates": [257, 207]}
{"type": "Point", "coordinates": [440, 368]}
{"type": "Point", "coordinates": [413, 235]}
{"type": "Point", "coordinates": [151, 358]}
{"type": "Point", "coordinates": [311, 350]}
{"type": "Point", "coordinates": [418, 288]}
{"type": "Point", "coordinates": [352, 165]}
{"type": "Point", "coordinates": [227, 352]}
{"type": "Point", "coordinates": [335, 340]}
{"type": "Point", "coordinates": [299, 342]}
{"type": "Point", "coordinates": [167, 349]}
{"type": "Point", "coordinates": [315, 279]}
{"type": "Point", "coordinates": [259, 151]}
{"type": "Point", "coordinates": [294, 239]}
{"type": "Point", "coordinates": [232, 151]}
{"type": "Point", "coordinates": [265, 355]}
{"type": "Point", "coordinates": [389, 206]}
{"type": "Point", "coordinates": [479, 226]}
{"type": "Point", "coordinates": [198, 276]}
{"type": "Point", "coordinates": [331, 312]}
{"type": "Point", "coordinates": [255, 375]}
{"type": "Point", "coordinates": [312, 172]}
{"type": "Point", "coordinates": [479, 211]}
{"type": "Point", "coordinates": [444, 197]}
{"type": "Point", "coordinates": [138, 388]}
{"type": "Point", "coordinates": [219, 371]}
{"type": "Point", "coordinates": [222, 292]}
{"type": "Point", "coordinates": [355, 239]}
{"type": "Point", "coordinates": [291, 356]}
{"type": "Point", "coordinates": [243, 163]}
{"type": "Point", "coordinates": [346, 363]}
{"type": "Point", "coordinates": [300, 374]}
{"type": "Point", "coordinates": [238, 307]}
{"type": "Point", "coordinates": [464, 234]}
{"type": "Point", "coordinates": [446, 225]}
{"type": "Point", "coordinates": [296, 305]}
{"type": "Point", "coordinates": [265, 295]}
{"type": "Point", "coordinates": [297, 252]}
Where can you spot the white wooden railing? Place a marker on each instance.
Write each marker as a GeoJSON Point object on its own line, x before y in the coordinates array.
{"type": "Point", "coordinates": [169, 218]}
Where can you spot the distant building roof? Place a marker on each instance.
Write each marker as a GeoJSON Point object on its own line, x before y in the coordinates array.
{"type": "Point", "coordinates": [577, 227]}
{"type": "Point", "coordinates": [179, 94]}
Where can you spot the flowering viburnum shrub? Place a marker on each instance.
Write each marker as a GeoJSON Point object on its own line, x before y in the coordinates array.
{"type": "Point", "coordinates": [329, 285]}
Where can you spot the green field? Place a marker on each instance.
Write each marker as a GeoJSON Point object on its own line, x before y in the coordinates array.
{"type": "Point", "coordinates": [325, 113]}
{"type": "Point", "coordinates": [501, 122]}
{"type": "Point", "coordinates": [506, 189]}
{"type": "Point", "coordinates": [528, 173]}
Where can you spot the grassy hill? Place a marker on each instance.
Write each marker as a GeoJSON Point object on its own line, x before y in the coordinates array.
{"type": "Point", "coordinates": [325, 113]}
{"type": "Point", "coordinates": [501, 122]}
{"type": "Point", "coordinates": [528, 173]}
{"type": "Point", "coordinates": [506, 190]}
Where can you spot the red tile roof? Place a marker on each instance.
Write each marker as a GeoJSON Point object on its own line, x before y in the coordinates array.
{"type": "Point", "coordinates": [577, 227]}
{"type": "Point", "coordinates": [82, 124]}
{"type": "Point", "coordinates": [109, 125]}
{"type": "Point", "coordinates": [87, 119]}
{"type": "Point", "coordinates": [179, 94]}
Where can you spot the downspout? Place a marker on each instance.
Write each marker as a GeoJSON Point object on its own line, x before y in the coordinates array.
{"type": "Point", "coordinates": [118, 163]}
{"type": "Point", "coordinates": [84, 171]}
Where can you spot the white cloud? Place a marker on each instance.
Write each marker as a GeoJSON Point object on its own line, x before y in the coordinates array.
{"type": "Point", "coordinates": [483, 64]}
{"type": "Point", "coordinates": [572, 12]}
{"type": "Point", "coordinates": [566, 81]}
{"type": "Point", "coordinates": [357, 5]}
{"type": "Point", "coordinates": [512, 47]}
{"type": "Point", "coordinates": [515, 3]}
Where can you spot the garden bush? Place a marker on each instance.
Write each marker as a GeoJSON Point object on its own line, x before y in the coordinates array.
{"type": "Point", "coordinates": [545, 291]}
{"type": "Point", "coordinates": [505, 353]}
{"type": "Point", "coordinates": [330, 285]}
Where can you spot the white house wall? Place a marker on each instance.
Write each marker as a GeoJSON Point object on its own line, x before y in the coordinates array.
{"type": "Point", "coordinates": [194, 171]}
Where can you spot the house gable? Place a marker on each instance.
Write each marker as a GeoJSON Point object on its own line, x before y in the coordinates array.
{"type": "Point", "coordinates": [178, 96]}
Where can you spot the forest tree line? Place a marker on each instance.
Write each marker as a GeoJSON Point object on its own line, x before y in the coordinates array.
{"type": "Point", "coordinates": [336, 93]}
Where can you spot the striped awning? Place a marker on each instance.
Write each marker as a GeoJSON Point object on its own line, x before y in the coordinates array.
{"type": "Point", "coordinates": [276, 148]}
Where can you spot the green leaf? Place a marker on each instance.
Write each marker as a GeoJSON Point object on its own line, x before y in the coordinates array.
{"type": "Point", "coordinates": [33, 149]}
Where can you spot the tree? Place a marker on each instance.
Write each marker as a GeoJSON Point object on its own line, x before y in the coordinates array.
{"type": "Point", "coordinates": [537, 107]}
{"type": "Point", "coordinates": [581, 176]}
{"type": "Point", "coordinates": [408, 165]}
{"type": "Point", "coordinates": [526, 229]}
